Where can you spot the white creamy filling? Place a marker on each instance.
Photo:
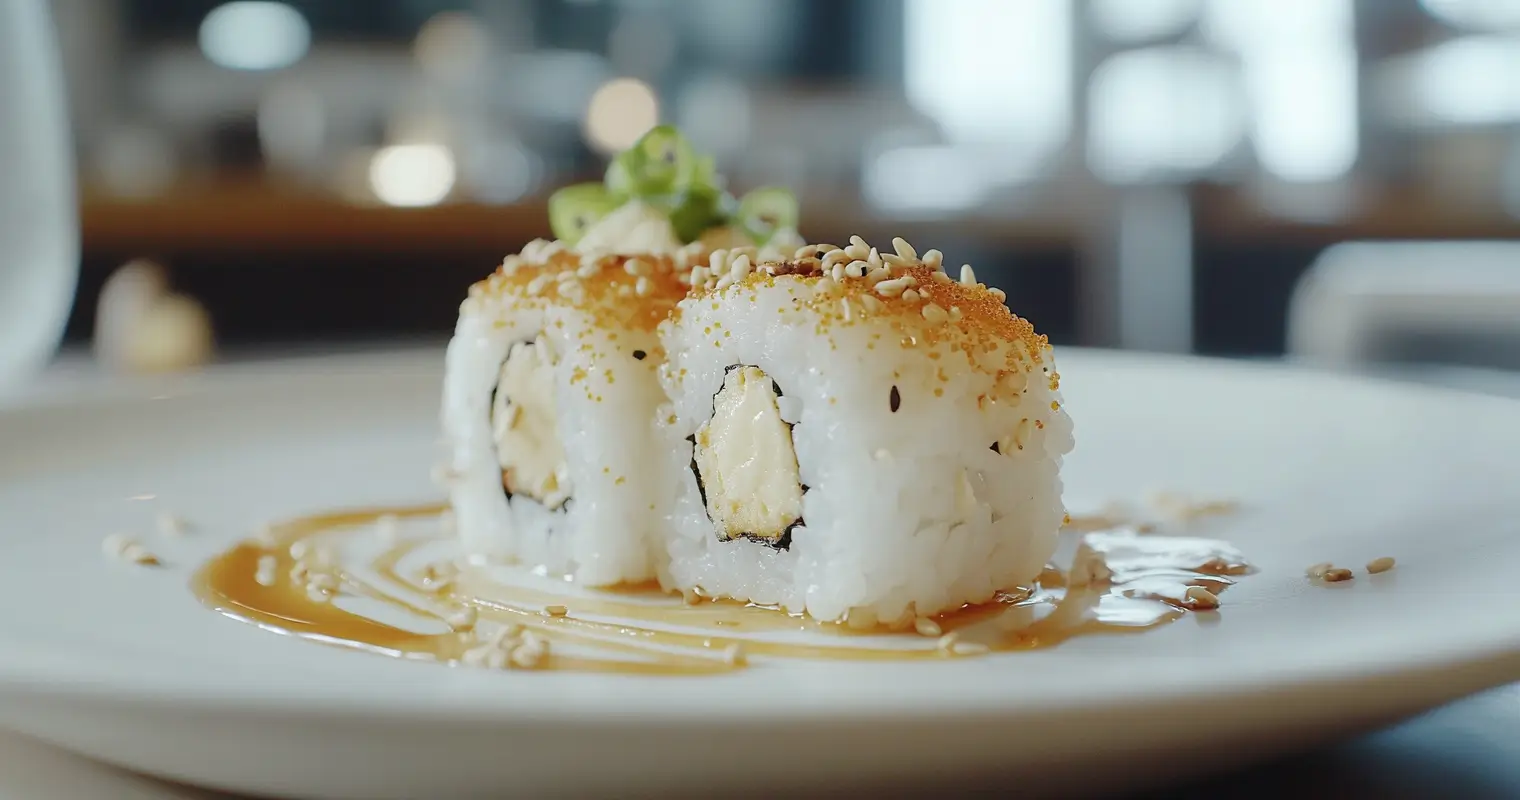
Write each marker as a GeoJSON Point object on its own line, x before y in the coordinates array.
{"type": "Point", "coordinates": [525, 424]}
{"type": "Point", "coordinates": [746, 461]}
{"type": "Point", "coordinates": [634, 227]}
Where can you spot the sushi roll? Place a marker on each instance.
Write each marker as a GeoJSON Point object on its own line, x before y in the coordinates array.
{"type": "Point", "coordinates": [551, 388]}
{"type": "Point", "coordinates": [857, 436]}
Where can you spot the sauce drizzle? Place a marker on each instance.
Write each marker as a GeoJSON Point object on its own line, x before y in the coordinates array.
{"type": "Point", "coordinates": [299, 580]}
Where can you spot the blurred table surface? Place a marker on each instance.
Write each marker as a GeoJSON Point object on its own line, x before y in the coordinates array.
{"type": "Point", "coordinates": [1469, 749]}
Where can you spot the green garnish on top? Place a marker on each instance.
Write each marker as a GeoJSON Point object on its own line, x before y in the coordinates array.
{"type": "Point", "coordinates": [663, 171]}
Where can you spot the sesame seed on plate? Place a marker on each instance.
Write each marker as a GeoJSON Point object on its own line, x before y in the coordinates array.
{"type": "Point", "coordinates": [948, 641]}
{"type": "Point", "coordinates": [1318, 570]}
{"type": "Point", "coordinates": [555, 611]}
{"type": "Point", "coordinates": [1381, 564]}
{"type": "Point", "coordinates": [733, 655]}
{"type": "Point", "coordinates": [172, 525]}
{"type": "Point", "coordinates": [1201, 598]}
{"type": "Point", "coordinates": [927, 627]}
{"type": "Point", "coordinates": [464, 619]}
{"type": "Point", "coordinates": [1338, 574]}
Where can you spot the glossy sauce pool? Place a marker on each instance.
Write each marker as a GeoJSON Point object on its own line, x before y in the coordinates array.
{"type": "Point", "coordinates": [298, 580]}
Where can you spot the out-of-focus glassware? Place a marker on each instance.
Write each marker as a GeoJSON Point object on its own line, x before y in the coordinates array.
{"type": "Point", "coordinates": [39, 235]}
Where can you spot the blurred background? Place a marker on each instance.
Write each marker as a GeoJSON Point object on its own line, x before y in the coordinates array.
{"type": "Point", "coordinates": [1150, 174]}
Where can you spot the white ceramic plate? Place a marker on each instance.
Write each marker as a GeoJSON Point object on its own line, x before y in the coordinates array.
{"type": "Point", "coordinates": [121, 663]}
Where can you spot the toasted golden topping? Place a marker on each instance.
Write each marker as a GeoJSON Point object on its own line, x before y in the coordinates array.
{"type": "Point", "coordinates": [859, 284]}
{"type": "Point", "coordinates": [632, 291]}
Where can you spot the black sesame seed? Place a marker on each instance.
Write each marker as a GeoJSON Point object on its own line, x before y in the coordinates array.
{"type": "Point", "coordinates": [896, 400]}
{"type": "Point", "coordinates": [640, 355]}
{"type": "Point", "coordinates": [995, 448]}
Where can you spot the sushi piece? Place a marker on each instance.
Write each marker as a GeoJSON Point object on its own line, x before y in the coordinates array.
{"type": "Point", "coordinates": [858, 436]}
{"type": "Point", "coordinates": [551, 388]}
{"type": "Point", "coordinates": [549, 396]}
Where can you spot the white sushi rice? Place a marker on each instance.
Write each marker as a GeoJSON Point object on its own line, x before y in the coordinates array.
{"type": "Point", "coordinates": [907, 513]}
{"type": "Point", "coordinates": [605, 398]}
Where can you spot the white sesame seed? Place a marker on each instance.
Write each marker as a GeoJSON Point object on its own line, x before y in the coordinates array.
{"type": "Point", "coordinates": [871, 304]}
{"type": "Point", "coordinates": [172, 525]}
{"type": "Point", "coordinates": [878, 275]}
{"type": "Point", "coordinates": [300, 549]}
{"type": "Point", "coordinates": [137, 554]}
{"type": "Point", "coordinates": [322, 581]}
{"type": "Point", "coordinates": [948, 641]}
{"type": "Point", "coordinates": [1201, 598]}
{"type": "Point", "coordinates": [935, 313]}
{"type": "Point", "coordinates": [115, 545]}
{"type": "Point", "coordinates": [934, 260]}
{"type": "Point", "coordinates": [998, 295]}
{"type": "Point", "coordinates": [911, 296]}
{"type": "Point", "coordinates": [874, 259]}
{"type": "Point", "coordinates": [464, 619]}
{"type": "Point", "coordinates": [940, 277]}
{"type": "Point", "coordinates": [859, 242]}
{"type": "Point", "coordinates": [538, 284]}
{"type": "Point", "coordinates": [642, 287]}
{"type": "Point", "coordinates": [633, 266]}
{"type": "Point", "coordinates": [968, 275]}
{"type": "Point", "coordinates": [551, 249]}
{"type": "Point", "coordinates": [824, 285]}
{"type": "Point", "coordinates": [717, 262]}
{"type": "Point", "coordinates": [555, 611]}
{"type": "Point", "coordinates": [506, 634]}
{"type": "Point", "coordinates": [836, 257]}
{"type": "Point", "coordinates": [624, 290]}
{"type": "Point", "coordinates": [970, 648]}
{"type": "Point", "coordinates": [837, 273]}
{"type": "Point", "coordinates": [475, 657]}
{"type": "Point", "coordinates": [690, 597]}
{"type": "Point", "coordinates": [740, 268]}
{"type": "Point", "coordinates": [588, 270]}
{"type": "Point", "coordinates": [568, 287]}
{"type": "Point", "coordinates": [904, 249]}
{"type": "Point", "coordinates": [564, 275]}
{"type": "Point", "coordinates": [268, 563]}
{"type": "Point", "coordinates": [845, 309]}
{"type": "Point", "coordinates": [511, 264]}
{"type": "Point", "coordinates": [805, 251]}
{"type": "Point", "coordinates": [317, 595]}
{"type": "Point", "coordinates": [299, 572]}
{"type": "Point", "coordinates": [825, 249]}
{"type": "Point", "coordinates": [265, 577]}
{"type": "Point", "coordinates": [858, 252]}
{"type": "Point", "coordinates": [1381, 564]}
{"type": "Point", "coordinates": [526, 656]}
{"type": "Point", "coordinates": [893, 287]}
{"type": "Point", "coordinates": [896, 261]}
{"type": "Point", "coordinates": [927, 627]}
{"type": "Point", "coordinates": [1319, 570]}
{"type": "Point", "coordinates": [956, 314]}
{"type": "Point", "coordinates": [724, 282]}
{"type": "Point", "coordinates": [856, 269]}
{"type": "Point", "coordinates": [733, 655]}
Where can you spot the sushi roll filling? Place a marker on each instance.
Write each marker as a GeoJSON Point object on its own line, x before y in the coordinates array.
{"type": "Point", "coordinates": [745, 462]}
{"type": "Point", "coordinates": [524, 426]}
